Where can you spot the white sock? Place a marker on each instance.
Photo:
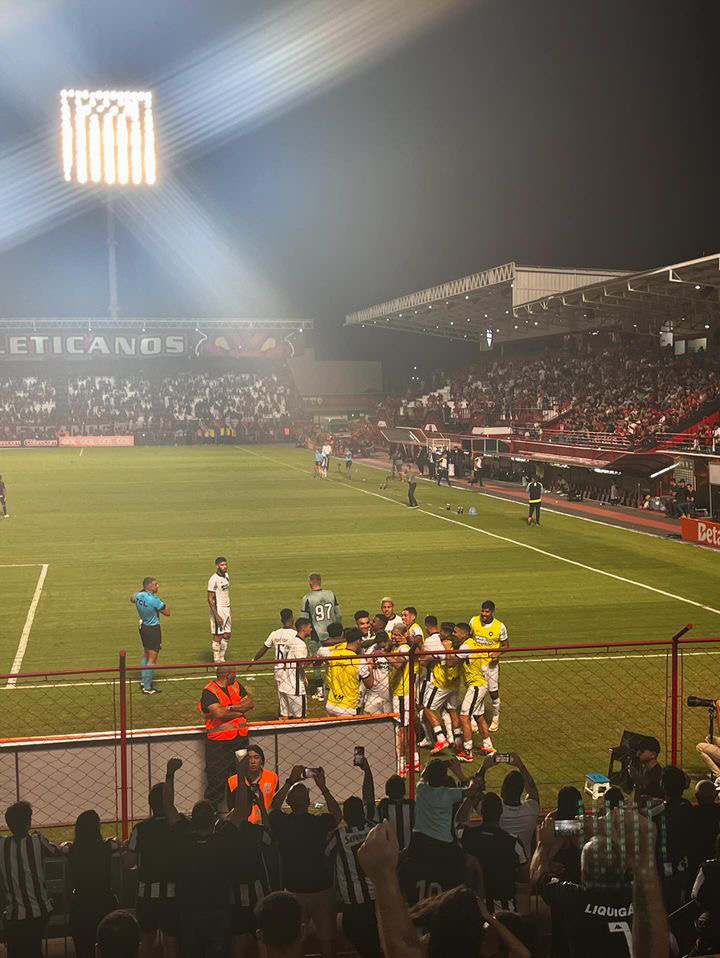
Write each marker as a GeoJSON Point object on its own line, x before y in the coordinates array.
{"type": "Point", "coordinates": [467, 746]}
{"type": "Point", "coordinates": [496, 708]}
{"type": "Point", "coordinates": [438, 733]}
{"type": "Point", "coordinates": [448, 726]}
{"type": "Point", "coordinates": [417, 758]}
{"type": "Point", "coordinates": [216, 650]}
{"type": "Point", "coordinates": [223, 649]}
{"type": "Point", "coordinates": [487, 743]}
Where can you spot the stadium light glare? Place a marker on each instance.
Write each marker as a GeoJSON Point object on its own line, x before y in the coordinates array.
{"type": "Point", "coordinates": [654, 475]}
{"type": "Point", "coordinates": [108, 136]}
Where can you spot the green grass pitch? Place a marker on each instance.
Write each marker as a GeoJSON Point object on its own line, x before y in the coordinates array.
{"type": "Point", "coordinates": [104, 519]}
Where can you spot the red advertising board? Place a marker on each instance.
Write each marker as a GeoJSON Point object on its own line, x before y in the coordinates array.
{"type": "Point", "coordinates": [96, 440]}
{"type": "Point", "coordinates": [702, 531]}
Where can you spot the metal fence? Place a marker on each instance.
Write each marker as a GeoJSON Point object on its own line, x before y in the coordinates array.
{"type": "Point", "coordinates": [78, 739]}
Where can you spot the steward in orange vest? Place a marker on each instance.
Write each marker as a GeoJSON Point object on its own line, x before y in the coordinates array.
{"type": "Point", "coordinates": [260, 780]}
{"type": "Point", "coordinates": [223, 703]}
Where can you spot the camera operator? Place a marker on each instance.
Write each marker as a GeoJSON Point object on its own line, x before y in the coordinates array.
{"type": "Point", "coordinates": [644, 770]}
{"type": "Point", "coordinates": [710, 748]}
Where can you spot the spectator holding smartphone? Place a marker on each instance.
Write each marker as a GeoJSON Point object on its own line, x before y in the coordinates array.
{"type": "Point", "coordinates": [354, 889]}
{"type": "Point", "coordinates": [302, 839]}
{"type": "Point", "coordinates": [498, 853]}
{"type": "Point", "coordinates": [519, 815]}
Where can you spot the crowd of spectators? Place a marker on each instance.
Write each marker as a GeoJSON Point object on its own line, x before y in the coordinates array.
{"type": "Point", "coordinates": [451, 872]}
{"type": "Point", "coordinates": [114, 402]}
{"type": "Point", "coordinates": [634, 395]}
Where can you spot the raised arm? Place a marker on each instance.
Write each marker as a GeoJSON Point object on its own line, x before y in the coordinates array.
{"type": "Point", "coordinates": [529, 782]}
{"type": "Point", "coordinates": [280, 796]}
{"type": "Point", "coordinates": [332, 806]}
{"type": "Point", "coordinates": [546, 847]}
{"type": "Point", "coordinates": [368, 787]}
{"type": "Point", "coordinates": [472, 796]}
{"type": "Point", "coordinates": [378, 856]}
{"type": "Point", "coordinates": [171, 813]}
{"type": "Point", "coordinates": [242, 799]}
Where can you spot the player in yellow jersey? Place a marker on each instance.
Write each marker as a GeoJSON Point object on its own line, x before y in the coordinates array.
{"type": "Point", "coordinates": [400, 688]}
{"type": "Point", "coordinates": [441, 686]}
{"type": "Point", "coordinates": [346, 675]}
{"type": "Point", "coordinates": [416, 637]}
{"type": "Point", "coordinates": [491, 632]}
{"type": "Point", "coordinates": [409, 617]}
{"type": "Point", "coordinates": [470, 653]}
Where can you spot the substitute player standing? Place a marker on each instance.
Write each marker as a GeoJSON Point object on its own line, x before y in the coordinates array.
{"type": "Point", "coordinates": [322, 608]}
{"type": "Point", "coordinates": [148, 605]}
{"type": "Point", "coordinates": [3, 498]}
{"type": "Point", "coordinates": [218, 597]}
{"type": "Point", "coordinates": [326, 452]}
{"type": "Point", "coordinates": [491, 632]}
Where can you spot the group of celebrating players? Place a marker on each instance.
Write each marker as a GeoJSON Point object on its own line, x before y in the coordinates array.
{"type": "Point", "coordinates": [365, 669]}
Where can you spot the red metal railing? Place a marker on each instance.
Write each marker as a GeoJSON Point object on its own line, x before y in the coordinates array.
{"type": "Point", "coordinates": [575, 694]}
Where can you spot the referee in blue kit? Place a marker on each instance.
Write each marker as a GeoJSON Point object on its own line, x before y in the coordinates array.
{"type": "Point", "coordinates": [148, 605]}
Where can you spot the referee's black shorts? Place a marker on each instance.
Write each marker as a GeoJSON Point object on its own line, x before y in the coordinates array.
{"type": "Point", "coordinates": [151, 637]}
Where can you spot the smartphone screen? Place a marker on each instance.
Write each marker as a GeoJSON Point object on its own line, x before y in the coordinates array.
{"type": "Point", "coordinates": [503, 758]}
{"type": "Point", "coordinates": [358, 755]}
{"type": "Point", "coordinates": [310, 772]}
{"type": "Point", "coordinates": [572, 827]}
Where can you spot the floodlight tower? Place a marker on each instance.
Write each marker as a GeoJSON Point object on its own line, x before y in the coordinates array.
{"type": "Point", "coordinates": [108, 140]}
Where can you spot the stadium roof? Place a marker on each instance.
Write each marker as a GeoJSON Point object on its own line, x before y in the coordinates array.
{"type": "Point", "coordinates": [518, 302]}
{"type": "Point", "coordinates": [152, 322]}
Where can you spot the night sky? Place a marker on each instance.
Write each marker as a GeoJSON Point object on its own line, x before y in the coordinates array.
{"type": "Point", "coordinates": [555, 133]}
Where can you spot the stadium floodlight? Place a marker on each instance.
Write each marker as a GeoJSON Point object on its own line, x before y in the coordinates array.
{"type": "Point", "coordinates": [108, 137]}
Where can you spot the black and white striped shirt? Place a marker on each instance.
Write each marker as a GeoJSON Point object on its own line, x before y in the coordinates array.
{"type": "Point", "coordinates": [251, 879]}
{"type": "Point", "coordinates": [401, 815]}
{"type": "Point", "coordinates": [352, 884]}
{"type": "Point", "coordinates": [151, 840]}
{"type": "Point", "coordinates": [22, 865]}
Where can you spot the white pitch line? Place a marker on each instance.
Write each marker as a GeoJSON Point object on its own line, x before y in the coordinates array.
{"type": "Point", "coordinates": [20, 565]}
{"type": "Point", "coordinates": [20, 654]}
{"type": "Point", "coordinates": [81, 452]}
{"type": "Point", "coordinates": [531, 660]}
{"type": "Point", "coordinates": [515, 542]}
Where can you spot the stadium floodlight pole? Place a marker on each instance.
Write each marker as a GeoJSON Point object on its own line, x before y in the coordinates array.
{"type": "Point", "coordinates": [113, 308]}
{"type": "Point", "coordinates": [108, 139]}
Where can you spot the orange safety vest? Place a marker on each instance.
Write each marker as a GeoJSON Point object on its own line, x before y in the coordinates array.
{"type": "Point", "coordinates": [225, 730]}
{"type": "Point", "coordinates": [268, 783]}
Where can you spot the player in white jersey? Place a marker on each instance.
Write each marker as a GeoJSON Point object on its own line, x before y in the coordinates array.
{"type": "Point", "coordinates": [289, 642]}
{"type": "Point", "coordinates": [327, 452]}
{"type": "Point", "coordinates": [378, 700]}
{"type": "Point", "coordinates": [218, 597]}
{"type": "Point", "coordinates": [387, 607]}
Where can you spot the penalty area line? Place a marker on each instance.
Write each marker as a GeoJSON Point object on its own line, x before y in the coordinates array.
{"type": "Point", "coordinates": [25, 636]}
{"type": "Point", "coordinates": [516, 542]}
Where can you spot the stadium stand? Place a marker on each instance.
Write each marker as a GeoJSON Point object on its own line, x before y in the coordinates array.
{"type": "Point", "coordinates": [203, 877]}
{"type": "Point", "coordinates": [634, 395]}
{"type": "Point", "coordinates": [165, 406]}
